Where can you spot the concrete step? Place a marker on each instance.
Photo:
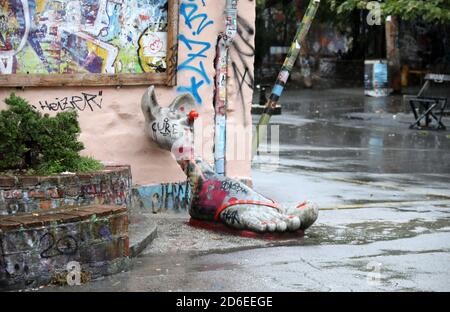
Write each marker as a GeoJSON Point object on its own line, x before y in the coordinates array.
{"type": "Point", "coordinates": [142, 230]}
{"type": "Point", "coordinates": [36, 249]}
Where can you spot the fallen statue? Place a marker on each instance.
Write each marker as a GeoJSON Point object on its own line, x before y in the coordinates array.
{"type": "Point", "coordinates": [215, 197]}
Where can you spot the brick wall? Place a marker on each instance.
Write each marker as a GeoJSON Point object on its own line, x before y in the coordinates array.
{"type": "Point", "coordinates": [35, 248]}
{"type": "Point", "coordinates": [27, 194]}
{"type": "Point", "coordinates": [48, 221]}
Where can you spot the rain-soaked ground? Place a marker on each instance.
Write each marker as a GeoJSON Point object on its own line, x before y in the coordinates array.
{"type": "Point", "coordinates": [384, 223]}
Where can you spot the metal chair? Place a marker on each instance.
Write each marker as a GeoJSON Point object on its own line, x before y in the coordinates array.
{"type": "Point", "coordinates": [425, 108]}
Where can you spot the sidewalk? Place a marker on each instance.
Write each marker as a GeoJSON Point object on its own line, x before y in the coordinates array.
{"type": "Point", "coordinates": [384, 195]}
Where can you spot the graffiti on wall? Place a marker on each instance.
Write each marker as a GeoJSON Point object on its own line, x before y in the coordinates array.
{"type": "Point", "coordinates": [83, 36]}
{"type": "Point", "coordinates": [107, 188]}
{"type": "Point", "coordinates": [245, 51]}
{"type": "Point", "coordinates": [194, 17]}
{"type": "Point", "coordinates": [82, 102]}
{"type": "Point", "coordinates": [159, 197]}
{"type": "Point", "coordinates": [52, 247]}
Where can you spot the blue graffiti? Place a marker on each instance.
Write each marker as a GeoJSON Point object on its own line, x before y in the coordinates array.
{"type": "Point", "coordinates": [113, 29]}
{"type": "Point", "coordinates": [192, 57]}
{"type": "Point", "coordinates": [172, 196]}
{"type": "Point", "coordinates": [189, 12]}
{"type": "Point", "coordinates": [193, 89]}
{"type": "Point", "coordinates": [194, 63]}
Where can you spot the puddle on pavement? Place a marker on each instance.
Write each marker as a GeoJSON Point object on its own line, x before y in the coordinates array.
{"type": "Point", "coordinates": [369, 232]}
{"type": "Point", "coordinates": [379, 150]}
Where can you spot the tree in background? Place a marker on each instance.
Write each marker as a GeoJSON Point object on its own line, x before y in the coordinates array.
{"type": "Point", "coordinates": [392, 11]}
{"type": "Point", "coordinates": [428, 10]}
{"type": "Point", "coordinates": [350, 17]}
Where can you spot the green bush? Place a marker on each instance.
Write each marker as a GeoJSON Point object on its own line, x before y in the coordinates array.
{"type": "Point", "coordinates": [36, 143]}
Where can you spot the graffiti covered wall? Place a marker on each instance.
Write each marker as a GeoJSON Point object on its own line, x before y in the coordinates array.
{"type": "Point", "coordinates": [82, 36]}
{"type": "Point", "coordinates": [111, 186]}
{"type": "Point", "coordinates": [111, 120]}
{"type": "Point", "coordinates": [161, 197]}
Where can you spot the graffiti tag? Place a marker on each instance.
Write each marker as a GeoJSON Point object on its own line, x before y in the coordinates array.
{"type": "Point", "coordinates": [82, 102]}
{"type": "Point", "coordinates": [66, 245]}
{"type": "Point", "coordinates": [165, 128]}
{"type": "Point", "coordinates": [197, 22]}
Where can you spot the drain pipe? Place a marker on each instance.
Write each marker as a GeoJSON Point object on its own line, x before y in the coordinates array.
{"type": "Point", "coordinates": [224, 41]}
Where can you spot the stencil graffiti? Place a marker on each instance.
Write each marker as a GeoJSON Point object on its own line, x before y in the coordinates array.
{"type": "Point", "coordinates": [196, 21]}
{"type": "Point", "coordinates": [82, 36]}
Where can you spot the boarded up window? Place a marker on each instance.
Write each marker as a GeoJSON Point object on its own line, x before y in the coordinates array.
{"type": "Point", "coordinates": [87, 42]}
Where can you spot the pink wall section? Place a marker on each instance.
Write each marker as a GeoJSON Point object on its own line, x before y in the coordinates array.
{"type": "Point", "coordinates": [115, 132]}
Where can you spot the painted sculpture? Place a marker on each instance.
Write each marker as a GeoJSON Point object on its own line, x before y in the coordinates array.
{"type": "Point", "coordinates": [216, 197]}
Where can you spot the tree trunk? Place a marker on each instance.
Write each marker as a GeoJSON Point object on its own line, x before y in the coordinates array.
{"type": "Point", "coordinates": [393, 52]}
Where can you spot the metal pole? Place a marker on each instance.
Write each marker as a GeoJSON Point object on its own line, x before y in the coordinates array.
{"type": "Point", "coordinates": [220, 100]}
{"type": "Point", "coordinates": [302, 31]}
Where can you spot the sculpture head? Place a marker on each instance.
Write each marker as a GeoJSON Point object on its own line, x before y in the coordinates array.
{"type": "Point", "coordinates": [170, 127]}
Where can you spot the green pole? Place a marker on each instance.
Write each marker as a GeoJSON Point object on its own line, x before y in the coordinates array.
{"type": "Point", "coordinates": [302, 31]}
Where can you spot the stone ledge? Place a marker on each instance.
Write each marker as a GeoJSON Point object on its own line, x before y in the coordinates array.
{"type": "Point", "coordinates": [142, 230]}
{"type": "Point", "coordinates": [33, 248]}
{"type": "Point", "coordinates": [62, 215]}
{"type": "Point", "coordinates": [36, 194]}
{"type": "Point", "coordinates": [32, 180]}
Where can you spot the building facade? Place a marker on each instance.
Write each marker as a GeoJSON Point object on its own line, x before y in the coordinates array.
{"type": "Point", "coordinates": [110, 116]}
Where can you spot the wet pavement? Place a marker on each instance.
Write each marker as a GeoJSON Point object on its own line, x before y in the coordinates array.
{"type": "Point", "coordinates": [384, 223]}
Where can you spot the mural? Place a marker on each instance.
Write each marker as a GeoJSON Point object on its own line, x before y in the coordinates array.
{"type": "Point", "coordinates": [83, 36]}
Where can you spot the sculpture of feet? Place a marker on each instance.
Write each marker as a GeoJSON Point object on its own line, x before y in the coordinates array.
{"type": "Point", "coordinates": [216, 197]}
